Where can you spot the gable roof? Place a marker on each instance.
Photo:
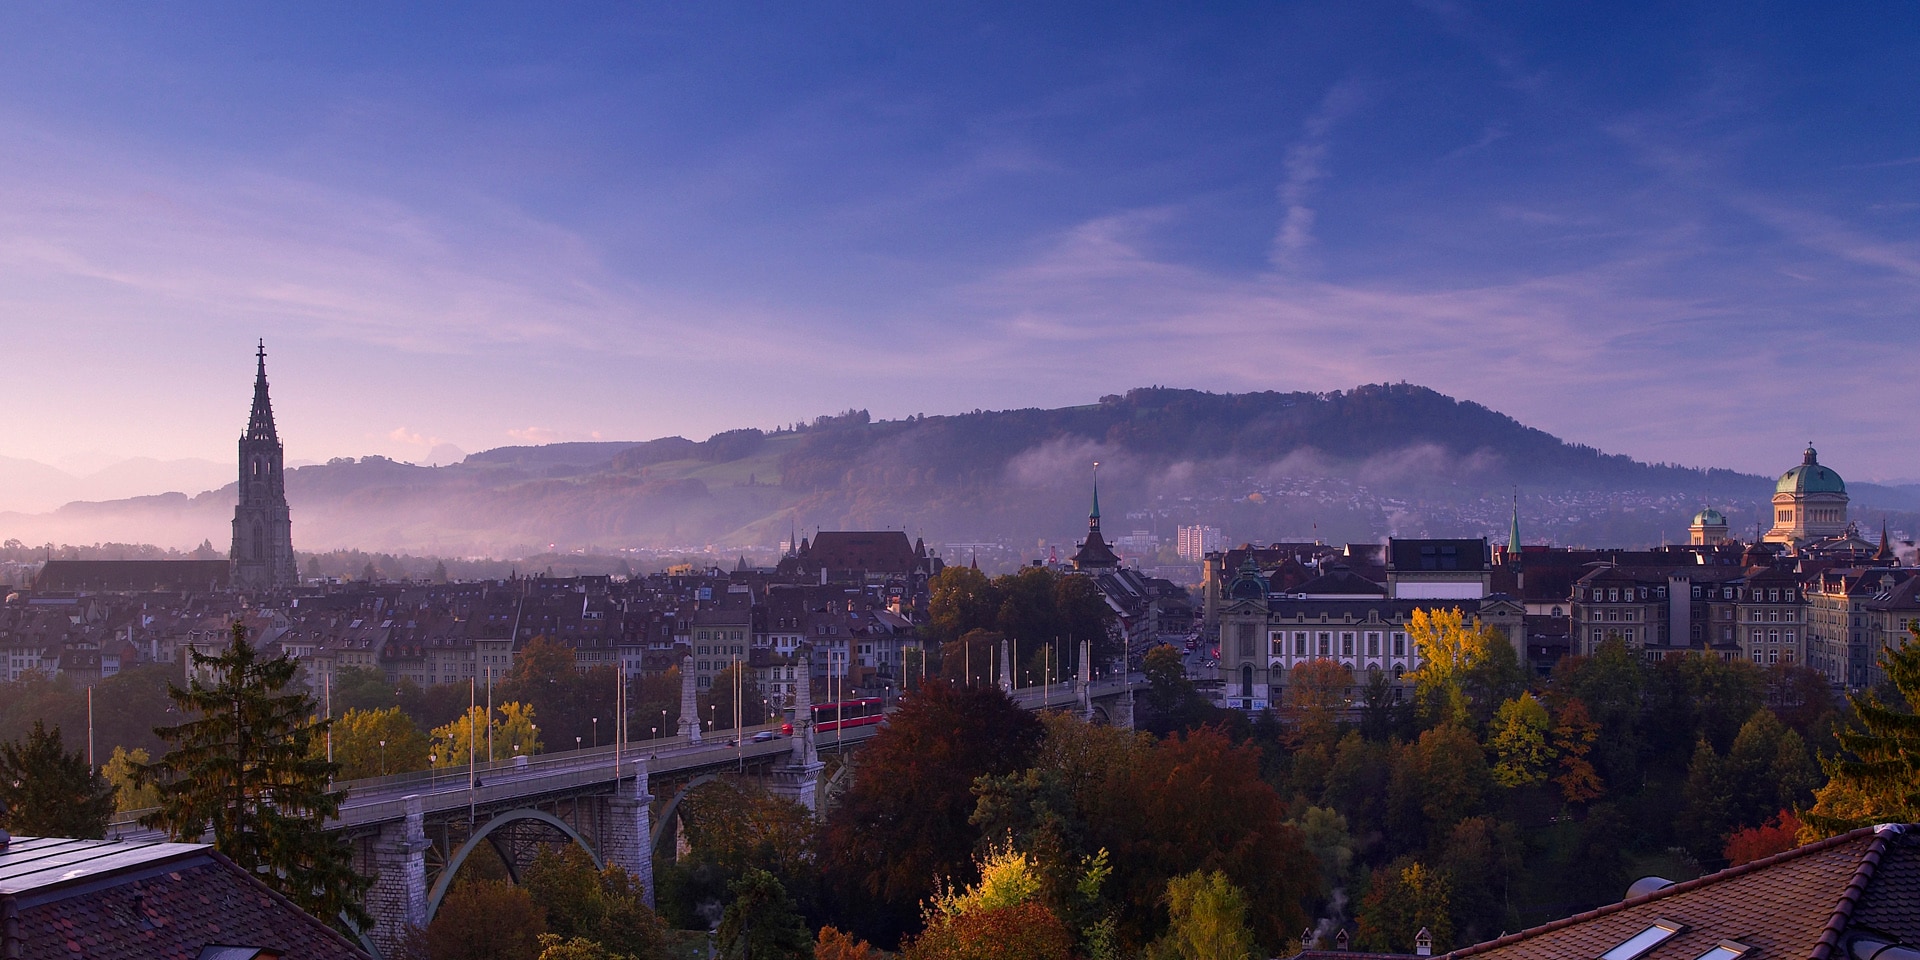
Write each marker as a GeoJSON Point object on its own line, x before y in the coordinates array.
{"type": "Point", "coordinates": [1804, 903]}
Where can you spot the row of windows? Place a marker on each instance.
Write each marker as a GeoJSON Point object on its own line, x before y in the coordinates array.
{"type": "Point", "coordinates": [722, 635]}
{"type": "Point", "coordinates": [723, 649]}
{"type": "Point", "coordinates": [1321, 644]}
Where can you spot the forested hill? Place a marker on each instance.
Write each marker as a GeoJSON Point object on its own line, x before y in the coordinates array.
{"type": "Point", "coordinates": [1377, 460]}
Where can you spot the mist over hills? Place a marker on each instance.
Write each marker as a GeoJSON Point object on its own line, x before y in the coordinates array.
{"type": "Point", "coordinates": [1378, 460]}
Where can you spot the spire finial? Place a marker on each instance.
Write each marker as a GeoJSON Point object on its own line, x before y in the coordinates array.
{"type": "Point", "coordinates": [1094, 517]}
{"type": "Point", "coordinates": [1513, 532]}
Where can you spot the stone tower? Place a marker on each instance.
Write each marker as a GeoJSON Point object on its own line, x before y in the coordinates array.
{"type": "Point", "coordinates": [262, 526]}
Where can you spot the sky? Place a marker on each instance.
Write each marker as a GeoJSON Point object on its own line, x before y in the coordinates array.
{"type": "Point", "coordinates": [1687, 232]}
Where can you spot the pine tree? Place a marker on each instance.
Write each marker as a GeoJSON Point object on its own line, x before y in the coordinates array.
{"type": "Point", "coordinates": [761, 923]}
{"type": "Point", "coordinates": [1880, 781]}
{"type": "Point", "coordinates": [47, 792]}
{"type": "Point", "coordinates": [245, 770]}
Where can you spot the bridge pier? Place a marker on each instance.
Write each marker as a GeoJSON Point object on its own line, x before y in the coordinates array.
{"type": "Point", "coordinates": [398, 898]}
{"type": "Point", "coordinates": [628, 840]}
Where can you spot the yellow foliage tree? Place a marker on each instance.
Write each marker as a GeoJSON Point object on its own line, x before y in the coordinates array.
{"type": "Point", "coordinates": [1519, 742]}
{"type": "Point", "coordinates": [127, 793]}
{"type": "Point", "coordinates": [374, 743]}
{"type": "Point", "coordinates": [1449, 647]}
{"type": "Point", "coordinates": [514, 733]}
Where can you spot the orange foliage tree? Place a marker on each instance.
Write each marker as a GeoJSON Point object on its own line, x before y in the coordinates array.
{"type": "Point", "coordinates": [1777, 835]}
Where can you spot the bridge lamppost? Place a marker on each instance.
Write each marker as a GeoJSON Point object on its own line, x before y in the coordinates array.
{"type": "Point", "coordinates": [576, 742]}
{"type": "Point", "coordinates": [383, 758]}
{"type": "Point", "coordinates": [433, 770]}
{"type": "Point", "coordinates": [663, 723]}
{"type": "Point", "coordinates": [596, 733]}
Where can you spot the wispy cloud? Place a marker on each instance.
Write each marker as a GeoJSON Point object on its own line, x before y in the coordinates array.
{"type": "Point", "coordinates": [1306, 165]}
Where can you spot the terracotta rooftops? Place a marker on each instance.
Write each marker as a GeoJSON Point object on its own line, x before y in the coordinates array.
{"type": "Point", "coordinates": [1806, 903]}
{"type": "Point", "coordinates": [154, 901]}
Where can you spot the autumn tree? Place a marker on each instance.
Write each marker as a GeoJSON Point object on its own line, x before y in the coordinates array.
{"type": "Point", "coordinates": [970, 660]}
{"type": "Point", "coordinates": [486, 920]}
{"type": "Point", "coordinates": [1172, 703]}
{"type": "Point", "coordinates": [1518, 740]}
{"type": "Point", "coordinates": [1000, 916]}
{"type": "Point", "coordinates": [121, 770]}
{"type": "Point", "coordinates": [1316, 699]}
{"type": "Point", "coordinates": [47, 792]}
{"type": "Point", "coordinates": [546, 677]}
{"type": "Point", "coordinates": [1207, 918]}
{"type": "Point", "coordinates": [1449, 649]}
{"type": "Point", "coordinates": [1437, 781]}
{"type": "Point", "coordinates": [904, 820]}
{"type": "Point", "coordinates": [1402, 898]}
{"type": "Point", "coordinates": [511, 732]}
{"type": "Point", "coordinates": [375, 743]}
{"type": "Point", "coordinates": [1878, 780]}
{"type": "Point", "coordinates": [836, 944]}
{"type": "Point", "coordinates": [1777, 835]}
{"type": "Point", "coordinates": [1573, 735]}
{"type": "Point", "coordinates": [960, 599]}
{"type": "Point", "coordinates": [1611, 685]}
{"type": "Point", "coordinates": [244, 769]}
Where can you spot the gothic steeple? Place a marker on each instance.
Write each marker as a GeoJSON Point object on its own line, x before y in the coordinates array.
{"type": "Point", "coordinates": [1094, 554]}
{"type": "Point", "coordinates": [1513, 532]}
{"type": "Point", "coordinates": [262, 553]}
{"type": "Point", "coordinates": [260, 424]}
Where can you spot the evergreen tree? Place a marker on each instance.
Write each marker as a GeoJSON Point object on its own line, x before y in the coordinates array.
{"type": "Point", "coordinates": [761, 923]}
{"type": "Point", "coordinates": [245, 769]}
{"type": "Point", "coordinates": [47, 792]}
{"type": "Point", "coordinates": [1880, 782]}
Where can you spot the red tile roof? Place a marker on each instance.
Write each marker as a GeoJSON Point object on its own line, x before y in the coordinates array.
{"type": "Point", "coordinates": [1800, 904]}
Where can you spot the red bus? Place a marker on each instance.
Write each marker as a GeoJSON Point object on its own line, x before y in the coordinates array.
{"type": "Point", "coordinates": [848, 713]}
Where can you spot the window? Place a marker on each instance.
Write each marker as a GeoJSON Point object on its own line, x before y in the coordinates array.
{"type": "Point", "coordinates": [1725, 950]}
{"type": "Point", "coordinates": [1627, 634]}
{"type": "Point", "coordinates": [1326, 644]}
{"type": "Point", "coordinates": [1299, 644]}
{"type": "Point", "coordinates": [1645, 940]}
{"type": "Point", "coordinates": [1346, 644]}
{"type": "Point", "coordinates": [1373, 644]}
{"type": "Point", "coordinates": [1399, 644]}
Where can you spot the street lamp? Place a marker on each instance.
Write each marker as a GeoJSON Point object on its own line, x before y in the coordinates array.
{"type": "Point", "coordinates": [663, 723]}
{"type": "Point", "coordinates": [433, 772]}
{"type": "Point", "coordinates": [383, 758]}
{"type": "Point", "coordinates": [596, 732]}
{"type": "Point", "coordinates": [576, 742]}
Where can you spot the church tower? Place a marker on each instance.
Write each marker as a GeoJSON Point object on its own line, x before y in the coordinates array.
{"type": "Point", "coordinates": [262, 526]}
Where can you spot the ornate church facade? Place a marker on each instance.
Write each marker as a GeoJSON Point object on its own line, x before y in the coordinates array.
{"type": "Point", "coordinates": [262, 553]}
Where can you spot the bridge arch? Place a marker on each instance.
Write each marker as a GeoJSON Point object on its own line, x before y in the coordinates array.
{"type": "Point", "coordinates": [459, 858]}
{"type": "Point", "coordinates": [672, 809]}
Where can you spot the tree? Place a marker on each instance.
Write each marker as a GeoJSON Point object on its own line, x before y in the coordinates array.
{"type": "Point", "coordinates": [970, 659]}
{"type": "Point", "coordinates": [761, 923]}
{"type": "Point", "coordinates": [836, 944]}
{"type": "Point", "coordinates": [486, 920]}
{"type": "Point", "coordinates": [120, 771]}
{"type": "Point", "coordinates": [605, 907]}
{"type": "Point", "coordinates": [555, 947]}
{"type": "Point", "coordinates": [1573, 734]}
{"type": "Point", "coordinates": [513, 734]}
{"type": "Point", "coordinates": [1208, 918]}
{"type": "Point", "coordinates": [362, 688]}
{"type": "Point", "coordinates": [375, 743]}
{"type": "Point", "coordinates": [1324, 831]}
{"type": "Point", "coordinates": [1403, 897]}
{"type": "Point", "coordinates": [1777, 835]}
{"type": "Point", "coordinates": [245, 770]}
{"type": "Point", "coordinates": [1611, 684]}
{"type": "Point", "coordinates": [960, 599]}
{"type": "Point", "coordinates": [1879, 779]}
{"type": "Point", "coordinates": [904, 820]}
{"type": "Point", "coordinates": [1002, 916]}
{"type": "Point", "coordinates": [1437, 781]}
{"type": "Point", "coordinates": [1316, 697]}
{"type": "Point", "coordinates": [1449, 649]}
{"type": "Point", "coordinates": [47, 792]}
{"type": "Point", "coordinates": [1519, 741]}
{"type": "Point", "coordinates": [1172, 702]}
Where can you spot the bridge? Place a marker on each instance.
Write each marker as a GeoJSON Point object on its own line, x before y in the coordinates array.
{"type": "Point", "coordinates": [412, 832]}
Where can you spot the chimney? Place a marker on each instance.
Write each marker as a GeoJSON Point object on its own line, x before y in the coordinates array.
{"type": "Point", "coordinates": [1423, 943]}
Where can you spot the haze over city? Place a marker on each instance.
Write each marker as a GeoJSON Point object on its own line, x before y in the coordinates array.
{"type": "Point", "coordinates": [1683, 233]}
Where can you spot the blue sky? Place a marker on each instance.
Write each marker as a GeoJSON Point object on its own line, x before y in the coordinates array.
{"type": "Point", "coordinates": [1685, 232]}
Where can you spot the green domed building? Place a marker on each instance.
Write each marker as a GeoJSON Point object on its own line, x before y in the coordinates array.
{"type": "Point", "coordinates": [1809, 503]}
{"type": "Point", "coordinates": [1709, 528]}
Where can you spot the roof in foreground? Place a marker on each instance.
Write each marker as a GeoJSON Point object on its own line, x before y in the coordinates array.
{"type": "Point", "coordinates": [30, 864]}
{"type": "Point", "coordinates": [108, 900]}
{"type": "Point", "coordinates": [1809, 902]}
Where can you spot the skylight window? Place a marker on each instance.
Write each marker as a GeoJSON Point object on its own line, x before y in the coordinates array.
{"type": "Point", "coordinates": [1638, 944]}
{"type": "Point", "coordinates": [1726, 950]}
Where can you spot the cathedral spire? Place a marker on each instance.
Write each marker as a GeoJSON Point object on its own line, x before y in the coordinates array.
{"type": "Point", "coordinates": [1093, 519]}
{"type": "Point", "coordinates": [1513, 532]}
{"type": "Point", "coordinates": [260, 424]}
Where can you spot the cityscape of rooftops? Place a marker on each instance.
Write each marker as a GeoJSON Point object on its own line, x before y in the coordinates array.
{"type": "Point", "coordinates": [1405, 478]}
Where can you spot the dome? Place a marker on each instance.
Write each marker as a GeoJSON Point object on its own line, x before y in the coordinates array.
{"type": "Point", "coordinates": [1709, 518]}
{"type": "Point", "coordinates": [1810, 477]}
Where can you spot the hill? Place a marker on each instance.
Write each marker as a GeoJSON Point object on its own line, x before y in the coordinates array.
{"type": "Point", "coordinates": [1349, 465]}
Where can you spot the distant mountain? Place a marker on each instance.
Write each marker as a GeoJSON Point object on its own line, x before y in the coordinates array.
{"type": "Point", "coordinates": [1349, 465]}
